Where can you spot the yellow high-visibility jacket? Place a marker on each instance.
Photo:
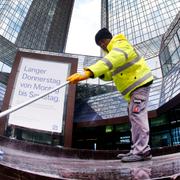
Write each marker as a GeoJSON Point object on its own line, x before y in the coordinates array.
{"type": "Point", "coordinates": [123, 65]}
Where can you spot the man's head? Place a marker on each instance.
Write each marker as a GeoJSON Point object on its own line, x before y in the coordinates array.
{"type": "Point", "coordinates": [102, 38]}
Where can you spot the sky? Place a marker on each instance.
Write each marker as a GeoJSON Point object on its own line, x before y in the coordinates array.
{"type": "Point", "coordinates": [84, 25]}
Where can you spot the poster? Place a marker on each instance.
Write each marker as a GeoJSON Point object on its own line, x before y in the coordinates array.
{"type": "Point", "coordinates": [33, 78]}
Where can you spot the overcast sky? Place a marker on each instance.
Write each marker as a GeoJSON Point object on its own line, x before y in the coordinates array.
{"type": "Point", "coordinates": [85, 23]}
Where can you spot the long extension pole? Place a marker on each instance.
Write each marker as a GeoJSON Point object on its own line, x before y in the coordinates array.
{"type": "Point", "coordinates": [8, 111]}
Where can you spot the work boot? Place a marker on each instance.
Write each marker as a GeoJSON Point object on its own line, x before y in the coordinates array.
{"type": "Point", "coordinates": [137, 157]}
{"type": "Point", "coordinates": [120, 156]}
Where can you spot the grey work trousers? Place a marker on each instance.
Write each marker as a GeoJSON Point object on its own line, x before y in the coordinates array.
{"type": "Point", "coordinates": [138, 117]}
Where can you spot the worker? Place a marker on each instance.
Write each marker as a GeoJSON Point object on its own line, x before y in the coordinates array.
{"type": "Point", "coordinates": [129, 71]}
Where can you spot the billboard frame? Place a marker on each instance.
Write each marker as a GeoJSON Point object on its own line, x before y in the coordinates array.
{"type": "Point", "coordinates": [70, 95]}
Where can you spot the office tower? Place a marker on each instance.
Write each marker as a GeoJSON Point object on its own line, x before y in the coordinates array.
{"type": "Point", "coordinates": [36, 24]}
{"type": "Point", "coordinates": [170, 47]}
{"type": "Point", "coordinates": [12, 15]}
{"type": "Point", "coordinates": [46, 25]}
{"type": "Point", "coordinates": [7, 53]}
{"type": "Point", "coordinates": [170, 94]}
{"type": "Point", "coordinates": [31, 24]}
{"type": "Point", "coordinates": [101, 119]}
{"type": "Point", "coordinates": [170, 61]}
{"type": "Point", "coordinates": [143, 22]}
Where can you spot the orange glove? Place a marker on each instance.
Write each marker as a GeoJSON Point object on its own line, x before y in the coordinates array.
{"type": "Point", "coordinates": [75, 78]}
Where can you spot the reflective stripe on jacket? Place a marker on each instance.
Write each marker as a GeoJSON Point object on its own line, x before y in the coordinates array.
{"type": "Point", "coordinates": [123, 65]}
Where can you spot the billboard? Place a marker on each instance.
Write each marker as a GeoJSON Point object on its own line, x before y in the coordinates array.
{"type": "Point", "coordinates": [35, 74]}
{"type": "Point", "coordinates": [35, 77]}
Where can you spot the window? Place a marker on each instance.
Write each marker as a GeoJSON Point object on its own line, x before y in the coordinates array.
{"type": "Point", "coordinates": [6, 68]}
{"type": "Point", "coordinates": [176, 40]}
{"type": "Point", "coordinates": [178, 32]}
{"type": "Point", "coordinates": [171, 46]}
{"type": "Point", "coordinates": [166, 53]}
{"type": "Point", "coordinates": [175, 58]}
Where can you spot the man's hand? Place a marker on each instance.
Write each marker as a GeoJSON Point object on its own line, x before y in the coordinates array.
{"type": "Point", "coordinates": [75, 78]}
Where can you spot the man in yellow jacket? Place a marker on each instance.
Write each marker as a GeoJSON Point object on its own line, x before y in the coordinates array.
{"type": "Point", "coordinates": [132, 77]}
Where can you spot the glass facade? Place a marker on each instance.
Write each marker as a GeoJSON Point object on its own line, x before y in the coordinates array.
{"type": "Point", "coordinates": [36, 24]}
{"type": "Point", "coordinates": [170, 61]}
{"type": "Point", "coordinates": [46, 25]}
{"type": "Point", "coordinates": [143, 22]}
{"type": "Point", "coordinates": [33, 24]}
{"type": "Point", "coordinates": [12, 15]}
{"type": "Point", "coordinates": [170, 48]}
{"type": "Point", "coordinates": [7, 54]}
{"type": "Point", "coordinates": [38, 29]}
{"type": "Point", "coordinates": [109, 103]}
{"type": "Point", "coordinates": [2, 92]}
{"type": "Point", "coordinates": [34, 31]}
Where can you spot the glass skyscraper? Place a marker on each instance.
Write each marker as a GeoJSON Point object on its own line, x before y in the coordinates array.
{"type": "Point", "coordinates": [100, 111]}
{"type": "Point", "coordinates": [12, 15]}
{"type": "Point", "coordinates": [170, 60]}
{"type": "Point", "coordinates": [143, 22]}
{"type": "Point", "coordinates": [102, 118]}
{"type": "Point", "coordinates": [36, 24]}
{"type": "Point", "coordinates": [170, 47]}
{"type": "Point", "coordinates": [31, 24]}
{"type": "Point", "coordinates": [46, 25]}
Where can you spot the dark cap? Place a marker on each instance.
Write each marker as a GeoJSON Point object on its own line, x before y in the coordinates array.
{"type": "Point", "coordinates": [102, 34]}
